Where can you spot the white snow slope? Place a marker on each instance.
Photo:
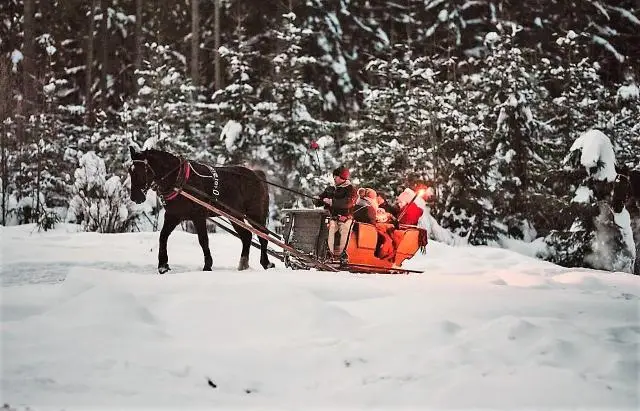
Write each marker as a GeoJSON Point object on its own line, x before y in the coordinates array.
{"type": "Point", "coordinates": [88, 324]}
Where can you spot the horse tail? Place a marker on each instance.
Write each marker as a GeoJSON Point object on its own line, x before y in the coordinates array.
{"type": "Point", "coordinates": [263, 179]}
{"type": "Point", "coordinates": [265, 199]}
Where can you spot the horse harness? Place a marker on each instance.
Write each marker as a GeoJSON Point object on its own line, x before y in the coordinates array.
{"type": "Point", "coordinates": [184, 172]}
{"type": "Point", "coordinates": [185, 168]}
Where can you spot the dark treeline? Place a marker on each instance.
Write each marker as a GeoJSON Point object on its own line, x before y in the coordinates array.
{"type": "Point", "coordinates": [481, 100]}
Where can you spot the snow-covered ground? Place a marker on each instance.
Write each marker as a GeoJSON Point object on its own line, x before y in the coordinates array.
{"type": "Point", "coordinates": [88, 324]}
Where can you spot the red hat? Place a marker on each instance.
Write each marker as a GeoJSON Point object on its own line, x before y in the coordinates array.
{"type": "Point", "coordinates": [342, 172]}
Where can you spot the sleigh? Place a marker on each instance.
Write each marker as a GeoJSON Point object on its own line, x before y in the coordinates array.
{"type": "Point", "coordinates": [306, 230]}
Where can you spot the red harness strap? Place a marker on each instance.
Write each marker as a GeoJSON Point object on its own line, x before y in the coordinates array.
{"type": "Point", "coordinates": [187, 172]}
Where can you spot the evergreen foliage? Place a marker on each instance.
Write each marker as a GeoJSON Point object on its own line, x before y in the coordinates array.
{"type": "Point", "coordinates": [480, 100]}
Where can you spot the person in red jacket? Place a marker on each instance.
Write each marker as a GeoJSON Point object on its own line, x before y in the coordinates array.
{"type": "Point", "coordinates": [409, 212]}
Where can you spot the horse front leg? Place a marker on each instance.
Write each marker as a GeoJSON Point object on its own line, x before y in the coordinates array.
{"type": "Point", "coordinates": [200, 224]}
{"type": "Point", "coordinates": [170, 223]}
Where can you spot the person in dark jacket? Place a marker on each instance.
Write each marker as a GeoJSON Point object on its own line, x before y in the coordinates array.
{"type": "Point", "coordinates": [339, 199]}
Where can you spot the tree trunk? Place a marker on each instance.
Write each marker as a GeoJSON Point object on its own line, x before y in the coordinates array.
{"type": "Point", "coordinates": [7, 110]}
{"type": "Point", "coordinates": [636, 266]}
{"type": "Point", "coordinates": [137, 64]}
{"type": "Point", "coordinates": [28, 56]}
{"type": "Point", "coordinates": [89, 64]}
{"type": "Point", "coordinates": [104, 55]}
{"type": "Point", "coordinates": [195, 42]}
{"type": "Point", "coordinates": [216, 35]}
{"type": "Point", "coordinates": [36, 212]}
{"type": "Point", "coordinates": [3, 164]}
{"type": "Point", "coordinates": [161, 18]}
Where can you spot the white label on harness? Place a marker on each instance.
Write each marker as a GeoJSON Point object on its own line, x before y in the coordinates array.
{"type": "Point", "coordinates": [216, 181]}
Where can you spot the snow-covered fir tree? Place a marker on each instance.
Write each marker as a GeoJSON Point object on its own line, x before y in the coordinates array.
{"type": "Point", "coordinates": [239, 138]}
{"type": "Point", "coordinates": [377, 148]}
{"type": "Point", "coordinates": [393, 147]}
{"type": "Point", "coordinates": [466, 189]}
{"type": "Point", "coordinates": [167, 113]}
{"type": "Point", "coordinates": [623, 124]}
{"type": "Point", "coordinates": [288, 110]}
{"type": "Point", "coordinates": [594, 238]}
{"type": "Point", "coordinates": [37, 171]}
{"type": "Point", "coordinates": [509, 81]}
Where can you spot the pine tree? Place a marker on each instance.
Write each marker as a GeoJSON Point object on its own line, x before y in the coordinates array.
{"type": "Point", "coordinates": [593, 240]}
{"type": "Point", "coordinates": [377, 150]}
{"type": "Point", "coordinates": [165, 114]}
{"type": "Point", "coordinates": [235, 103]}
{"type": "Point", "coordinates": [465, 203]}
{"type": "Point", "coordinates": [287, 114]}
{"type": "Point", "coordinates": [511, 85]}
{"type": "Point", "coordinates": [392, 149]}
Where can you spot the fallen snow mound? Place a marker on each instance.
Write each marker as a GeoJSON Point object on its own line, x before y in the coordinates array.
{"type": "Point", "coordinates": [87, 324]}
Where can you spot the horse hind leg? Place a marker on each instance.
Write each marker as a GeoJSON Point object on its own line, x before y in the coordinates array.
{"type": "Point", "coordinates": [264, 257]}
{"type": "Point", "coordinates": [245, 237]}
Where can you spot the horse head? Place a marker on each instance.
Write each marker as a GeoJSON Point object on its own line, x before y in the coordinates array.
{"type": "Point", "coordinates": [141, 176]}
{"type": "Point", "coordinates": [150, 169]}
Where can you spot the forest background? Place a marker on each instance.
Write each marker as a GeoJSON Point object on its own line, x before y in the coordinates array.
{"type": "Point", "coordinates": [482, 100]}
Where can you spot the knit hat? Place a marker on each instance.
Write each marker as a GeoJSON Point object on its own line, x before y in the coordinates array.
{"type": "Point", "coordinates": [342, 172]}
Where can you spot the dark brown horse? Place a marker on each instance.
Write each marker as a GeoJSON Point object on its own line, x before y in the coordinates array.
{"type": "Point", "coordinates": [626, 192]}
{"type": "Point", "coordinates": [236, 188]}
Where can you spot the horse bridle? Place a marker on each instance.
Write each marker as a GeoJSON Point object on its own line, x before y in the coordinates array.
{"type": "Point", "coordinates": [154, 184]}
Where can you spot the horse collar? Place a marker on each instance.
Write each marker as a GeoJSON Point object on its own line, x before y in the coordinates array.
{"type": "Point", "coordinates": [181, 179]}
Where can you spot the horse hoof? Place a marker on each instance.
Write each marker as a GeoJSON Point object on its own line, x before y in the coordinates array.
{"type": "Point", "coordinates": [206, 269]}
{"type": "Point", "coordinates": [163, 269]}
{"type": "Point", "coordinates": [244, 263]}
{"type": "Point", "coordinates": [268, 265]}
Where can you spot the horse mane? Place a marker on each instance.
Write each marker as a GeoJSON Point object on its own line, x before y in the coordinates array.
{"type": "Point", "coordinates": [260, 173]}
{"type": "Point", "coordinates": [157, 153]}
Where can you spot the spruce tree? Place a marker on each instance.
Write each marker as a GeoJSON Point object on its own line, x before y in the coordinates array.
{"type": "Point", "coordinates": [289, 108]}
